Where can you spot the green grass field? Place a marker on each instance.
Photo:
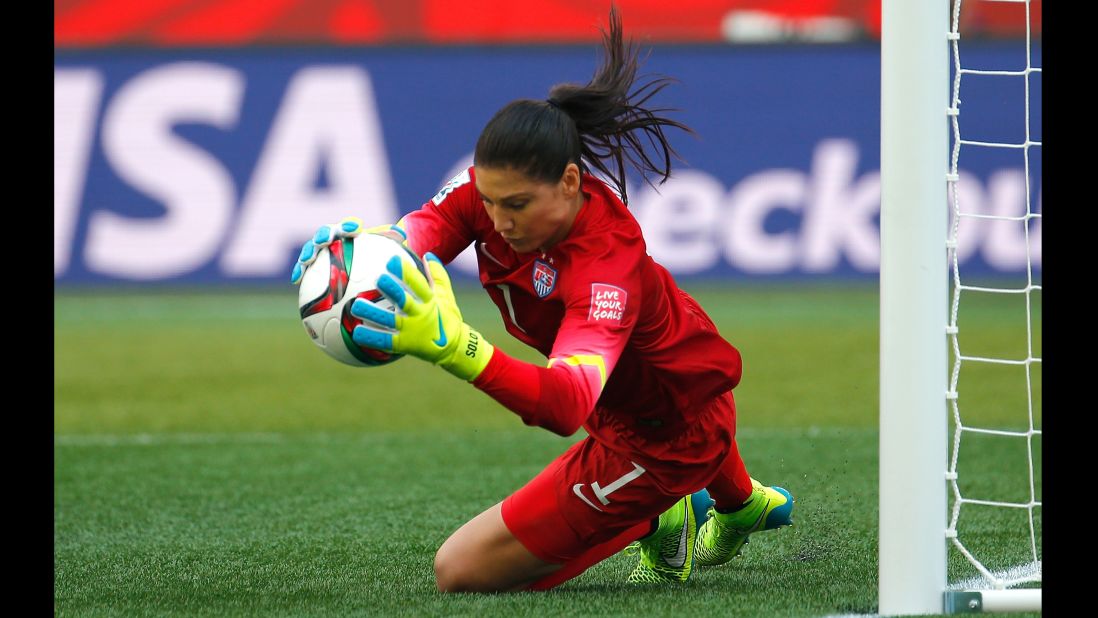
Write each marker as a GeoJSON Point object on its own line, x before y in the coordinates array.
{"type": "Point", "coordinates": [210, 462]}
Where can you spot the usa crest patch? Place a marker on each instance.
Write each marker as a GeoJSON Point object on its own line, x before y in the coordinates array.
{"type": "Point", "coordinates": [545, 278]}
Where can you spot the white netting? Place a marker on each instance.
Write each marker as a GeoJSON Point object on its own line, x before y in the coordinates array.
{"type": "Point", "coordinates": [966, 497]}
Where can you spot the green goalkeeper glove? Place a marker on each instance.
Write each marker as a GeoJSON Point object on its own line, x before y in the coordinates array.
{"type": "Point", "coordinates": [349, 227]}
{"type": "Point", "coordinates": [428, 324]}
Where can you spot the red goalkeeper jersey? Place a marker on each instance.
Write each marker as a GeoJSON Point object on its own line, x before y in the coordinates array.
{"type": "Point", "coordinates": [632, 358]}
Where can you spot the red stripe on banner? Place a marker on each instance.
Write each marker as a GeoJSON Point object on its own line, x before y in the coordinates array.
{"type": "Point", "coordinates": [100, 22]}
{"type": "Point", "coordinates": [357, 22]}
{"type": "Point", "coordinates": [567, 20]}
{"type": "Point", "coordinates": [241, 22]}
{"type": "Point", "coordinates": [530, 21]}
{"type": "Point", "coordinates": [231, 22]}
{"type": "Point", "coordinates": [301, 22]}
{"type": "Point", "coordinates": [338, 21]}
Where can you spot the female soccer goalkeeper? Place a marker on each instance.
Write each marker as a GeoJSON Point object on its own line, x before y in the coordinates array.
{"type": "Point", "coordinates": [632, 359]}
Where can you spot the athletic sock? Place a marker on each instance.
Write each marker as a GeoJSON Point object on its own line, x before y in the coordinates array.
{"type": "Point", "coordinates": [591, 557]}
{"type": "Point", "coordinates": [741, 507]}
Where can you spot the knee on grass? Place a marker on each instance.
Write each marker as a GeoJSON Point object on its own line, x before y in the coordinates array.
{"type": "Point", "coordinates": [456, 574]}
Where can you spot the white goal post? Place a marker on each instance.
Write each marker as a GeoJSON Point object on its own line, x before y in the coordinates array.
{"type": "Point", "coordinates": [914, 303]}
{"type": "Point", "coordinates": [915, 327]}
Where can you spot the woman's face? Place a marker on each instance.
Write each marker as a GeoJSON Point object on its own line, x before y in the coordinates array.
{"type": "Point", "coordinates": [530, 215]}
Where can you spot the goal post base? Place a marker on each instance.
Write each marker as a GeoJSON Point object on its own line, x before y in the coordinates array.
{"type": "Point", "coordinates": [980, 601]}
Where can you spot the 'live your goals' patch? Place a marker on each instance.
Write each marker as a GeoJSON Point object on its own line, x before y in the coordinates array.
{"type": "Point", "coordinates": [607, 303]}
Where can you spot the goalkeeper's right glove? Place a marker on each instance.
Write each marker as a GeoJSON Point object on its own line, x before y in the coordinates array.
{"type": "Point", "coordinates": [349, 227]}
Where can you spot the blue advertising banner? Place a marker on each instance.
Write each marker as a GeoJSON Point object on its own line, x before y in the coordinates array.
{"type": "Point", "coordinates": [204, 166]}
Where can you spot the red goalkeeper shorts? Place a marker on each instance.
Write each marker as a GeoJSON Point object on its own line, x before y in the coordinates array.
{"type": "Point", "coordinates": [592, 493]}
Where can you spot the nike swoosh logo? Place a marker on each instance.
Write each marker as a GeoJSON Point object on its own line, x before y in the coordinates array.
{"type": "Point", "coordinates": [755, 526]}
{"type": "Point", "coordinates": [441, 341]}
{"type": "Point", "coordinates": [679, 558]}
{"type": "Point", "coordinates": [484, 249]}
{"type": "Point", "coordinates": [576, 490]}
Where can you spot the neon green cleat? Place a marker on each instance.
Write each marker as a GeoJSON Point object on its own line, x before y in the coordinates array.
{"type": "Point", "coordinates": [723, 536]}
{"type": "Point", "coordinates": [668, 554]}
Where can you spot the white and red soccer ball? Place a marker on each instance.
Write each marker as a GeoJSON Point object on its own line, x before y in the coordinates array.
{"type": "Point", "coordinates": [343, 271]}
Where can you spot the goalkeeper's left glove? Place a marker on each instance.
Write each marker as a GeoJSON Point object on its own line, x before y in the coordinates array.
{"type": "Point", "coordinates": [429, 324]}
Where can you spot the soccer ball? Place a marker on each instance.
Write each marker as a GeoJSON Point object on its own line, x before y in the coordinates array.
{"type": "Point", "coordinates": [343, 271]}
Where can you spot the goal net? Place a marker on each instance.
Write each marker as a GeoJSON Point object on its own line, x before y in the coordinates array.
{"type": "Point", "coordinates": [994, 474]}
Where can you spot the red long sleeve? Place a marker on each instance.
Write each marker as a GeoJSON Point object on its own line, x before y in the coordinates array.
{"type": "Point", "coordinates": [558, 398]}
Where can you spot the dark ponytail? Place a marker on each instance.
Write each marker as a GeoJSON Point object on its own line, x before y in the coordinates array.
{"type": "Point", "coordinates": [602, 124]}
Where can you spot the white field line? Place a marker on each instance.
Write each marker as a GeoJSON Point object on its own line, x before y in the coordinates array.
{"type": "Point", "coordinates": [153, 439]}
{"type": "Point", "coordinates": [1019, 574]}
{"type": "Point", "coordinates": [143, 439]}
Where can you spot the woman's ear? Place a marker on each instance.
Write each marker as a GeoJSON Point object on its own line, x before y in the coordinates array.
{"type": "Point", "coordinates": [570, 180]}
